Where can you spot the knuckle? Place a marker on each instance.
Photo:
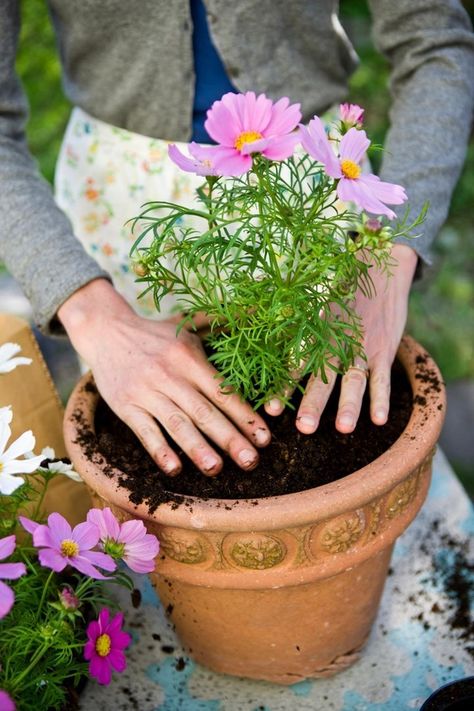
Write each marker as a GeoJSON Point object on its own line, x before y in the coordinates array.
{"type": "Point", "coordinates": [202, 413]}
{"type": "Point", "coordinates": [176, 421]}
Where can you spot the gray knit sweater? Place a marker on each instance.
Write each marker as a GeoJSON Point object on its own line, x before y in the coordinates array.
{"type": "Point", "coordinates": [130, 64]}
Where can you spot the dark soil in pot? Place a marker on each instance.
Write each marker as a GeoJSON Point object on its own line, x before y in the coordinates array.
{"type": "Point", "coordinates": [292, 462]}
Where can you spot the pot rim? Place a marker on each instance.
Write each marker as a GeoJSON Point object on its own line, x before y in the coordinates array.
{"type": "Point", "coordinates": [365, 484]}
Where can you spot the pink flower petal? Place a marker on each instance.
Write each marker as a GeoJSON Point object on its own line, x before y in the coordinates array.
{"type": "Point", "coordinates": [257, 111]}
{"type": "Point", "coordinates": [42, 536]}
{"type": "Point", "coordinates": [99, 668]}
{"type": "Point", "coordinates": [230, 162]}
{"type": "Point", "coordinates": [59, 527]}
{"type": "Point", "coordinates": [28, 524]}
{"type": "Point", "coordinates": [6, 702]}
{"type": "Point", "coordinates": [93, 630]}
{"type": "Point", "coordinates": [281, 148]}
{"type": "Point", "coordinates": [115, 623]}
{"type": "Point", "coordinates": [104, 615]}
{"type": "Point", "coordinates": [89, 649]}
{"type": "Point", "coordinates": [117, 660]}
{"type": "Point", "coordinates": [223, 123]}
{"type": "Point", "coordinates": [132, 531]}
{"type": "Point", "coordinates": [7, 546]}
{"type": "Point", "coordinates": [255, 146]}
{"type": "Point", "coordinates": [12, 571]}
{"type": "Point", "coordinates": [139, 565]}
{"type": "Point", "coordinates": [103, 560]}
{"type": "Point", "coordinates": [50, 558]}
{"type": "Point", "coordinates": [191, 165]}
{"type": "Point", "coordinates": [359, 193]}
{"type": "Point", "coordinates": [354, 145]}
{"type": "Point", "coordinates": [7, 598]}
{"type": "Point", "coordinates": [390, 193]}
{"type": "Point", "coordinates": [86, 535]}
{"type": "Point", "coordinates": [284, 119]}
{"type": "Point", "coordinates": [315, 142]}
{"type": "Point", "coordinates": [83, 565]}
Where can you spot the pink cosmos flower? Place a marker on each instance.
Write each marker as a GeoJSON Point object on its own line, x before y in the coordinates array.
{"type": "Point", "coordinates": [129, 541]}
{"type": "Point", "coordinates": [104, 649]}
{"type": "Point", "coordinates": [8, 571]}
{"type": "Point", "coordinates": [243, 124]}
{"type": "Point", "coordinates": [366, 191]}
{"type": "Point", "coordinates": [351, 115]}
{"type": "Point", "coordinates": [201, 162]}
{"type": "Point", "coordinates": [61, 545]}
{"type": "Point", "coordinates": [6, 701]}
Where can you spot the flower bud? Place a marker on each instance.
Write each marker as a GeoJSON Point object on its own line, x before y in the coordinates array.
{"type": "Point", "coordinates": [68, 599]}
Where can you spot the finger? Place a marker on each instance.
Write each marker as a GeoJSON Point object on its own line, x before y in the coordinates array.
{"type": "Point", "coordinates": [216, 426]}
{"type": "Point", "coordinates": [379, 392]}
{"type": "Point", "coordinates": [151, 437]}
{"type": "Point", "coordinates": [353, 387]}
{"type": "Point", "coordinates": [276, 405]}
{"type": "Point", "coordinates": [207, 380]}
{"type": "Point", "coordinates": [314, 401]}
{"type": "Point", "coordinates": [183, 431]}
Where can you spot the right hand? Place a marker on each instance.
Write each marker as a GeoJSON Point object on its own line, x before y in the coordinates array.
{"type": "Point", "coordinates": [148, 375]}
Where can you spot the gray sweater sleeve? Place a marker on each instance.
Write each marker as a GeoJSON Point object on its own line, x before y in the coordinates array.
{"type": "Point", "coordinates": [37, 243]}
{"type": "Point", "coordinates": [430, 46]}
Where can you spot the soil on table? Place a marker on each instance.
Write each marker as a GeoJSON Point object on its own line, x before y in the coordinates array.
{"type": "Point", "coordinates": [292, 462]}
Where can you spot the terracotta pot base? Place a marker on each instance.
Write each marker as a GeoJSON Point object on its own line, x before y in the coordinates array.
{"type": "Point", "coordinates": [287, 587]}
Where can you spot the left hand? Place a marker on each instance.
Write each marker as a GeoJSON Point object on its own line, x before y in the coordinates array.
{"type": "Point", "coordinates": [383, 321]}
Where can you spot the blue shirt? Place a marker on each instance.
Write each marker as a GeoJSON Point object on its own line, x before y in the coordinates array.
{"type": "Point", "coordinates": [211, 80]}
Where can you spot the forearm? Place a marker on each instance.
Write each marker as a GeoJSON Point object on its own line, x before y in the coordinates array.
{"type": "Point", "coordinates": [431, 50]}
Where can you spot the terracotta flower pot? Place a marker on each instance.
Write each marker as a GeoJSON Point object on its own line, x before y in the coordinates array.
{"type": "Point", "coordinates": [286, 588]}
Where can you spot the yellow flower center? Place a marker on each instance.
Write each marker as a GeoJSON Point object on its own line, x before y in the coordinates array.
{"type": "Point", "coordinates": [69, 548]}
{"type": "Point", "coordinates": [1, 467]}
{"type": "Point", "coordinates": [103, 645]}
{"type": "Point", "coordinates": [246, 137]}
{"type": "Point", "coordinates": [350, 169]}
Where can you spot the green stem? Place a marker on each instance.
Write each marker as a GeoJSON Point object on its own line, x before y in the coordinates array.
{"type": "Point", "coordinates": [43, 596]}
{"type": "Point", "coordinates": [268, 241]}
{"type": "Point", "coordinates": [36, 657]}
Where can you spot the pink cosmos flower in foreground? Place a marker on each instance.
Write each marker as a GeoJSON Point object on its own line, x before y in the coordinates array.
{"type": "Point", "coordinates": [8, 571]}
{"type": "Point", "coordinates": [351, 115]}
{"type": "Point", "coordinates": [61, 545]}
{"type": "Point", "coordinates": [201, 162]}
{"type": "Point", "coordinates": [366, 191]}
{"type": "Point", "coordinates": [6, 701]}
{"type": "Point", "coordinates": [129, 541]}
{"type": "Point", "coordinates": [104, 649]}
{"type": "Point", "coordinates": [243, 124]}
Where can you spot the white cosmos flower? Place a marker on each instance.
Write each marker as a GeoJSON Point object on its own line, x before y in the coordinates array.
{"type": "Point", "coordinates": [9, 462]}
{"type": "Point", "coordinates": [7, 361]}
{"type": "Point", "coordinates": [59, 466]}
{"type": "Point", "coordinates": [6, 414]}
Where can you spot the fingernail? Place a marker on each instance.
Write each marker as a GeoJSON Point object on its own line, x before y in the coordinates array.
{"type": "Point", "coordinates": [209, 462]}
{"type": "Point", "coordinates": [307, 421]}
{"type": "Point", "coordinates": [346, 420]}
{"type": "Point", "coordinates": [275, 405]}
{"type": "Point", "coordinates": [380, 414]}
{"type": "Point", "coordinates": [247, 457]}
{"type": "Point", "coordinates": [170, 468]}
{"type": "Point", "coordinates": [262, 436]}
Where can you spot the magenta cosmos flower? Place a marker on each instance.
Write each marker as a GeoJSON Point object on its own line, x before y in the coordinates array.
{"type": "Point", "coordinates": [61, 545]}
{"type": "Point", "coordinates": [129, 541]}
{"type": "Point", "coordinates": [242, 124]}
{"type": "Point", "coordinates": [366, 191]}
{"type": "Point", "coordinates": [8, 571]}
{"type": "Point", "coordinates": [104, 649]}
{"type": "Point", "coordinates": [6, 701]}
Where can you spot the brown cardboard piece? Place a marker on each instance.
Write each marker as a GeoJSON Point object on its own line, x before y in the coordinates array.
{"type": "Point", "coordinates": [30, 391]}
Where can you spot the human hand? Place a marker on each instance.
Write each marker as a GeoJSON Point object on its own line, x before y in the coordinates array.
{"type": "Point", "coordinates": [383, 320]}
{"type": "Point", "coordinates": [148, 375]}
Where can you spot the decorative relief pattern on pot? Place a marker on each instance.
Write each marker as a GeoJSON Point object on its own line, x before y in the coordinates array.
{"type": "Point", "coordinates": [183, 546]}
{"type": "Point", "coordinates": [341, 534]}
{"type": "Point", "coordinates": [375, 511]}
{"type": "Point", "coordinates": [402, 496]}
{"type": "Point", "coordinates": [255, 550]}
